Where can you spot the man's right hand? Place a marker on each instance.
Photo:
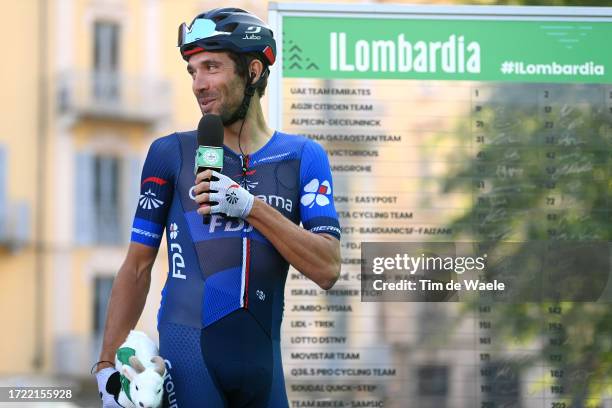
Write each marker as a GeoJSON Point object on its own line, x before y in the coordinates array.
{"type": "Point", "coordinates": [109, 386]}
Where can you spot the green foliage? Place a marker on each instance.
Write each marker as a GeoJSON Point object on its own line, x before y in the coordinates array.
{"type": "Point", "coordinates": [539, 171]}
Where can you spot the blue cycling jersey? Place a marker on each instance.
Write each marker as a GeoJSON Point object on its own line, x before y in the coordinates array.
{"type": "Point", "coordinates": [226, 265]}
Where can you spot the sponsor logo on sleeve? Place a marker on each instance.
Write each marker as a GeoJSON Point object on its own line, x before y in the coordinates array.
{"type": "Point", "coordinates": [144, 233]}
{"type": "Point", "coordinates": [326, 228]}
{"type": "Point", "coordinates": [149, 200]}
{"type": "Point", "coordinates": [316, 193]}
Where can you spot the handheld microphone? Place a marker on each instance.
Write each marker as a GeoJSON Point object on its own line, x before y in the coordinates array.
{"type": "Point", "coordinates": [209, 154]}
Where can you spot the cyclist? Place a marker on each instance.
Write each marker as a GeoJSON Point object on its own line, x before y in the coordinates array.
{"type": "Point", "coordinates": [222, 304]}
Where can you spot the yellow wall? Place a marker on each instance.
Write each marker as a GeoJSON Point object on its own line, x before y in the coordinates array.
{"type": "Point", "coordinates": [18, 133]}
{"type": "Point", "coordinates": [17, 317]}
{"type": "Point", "coordinates": [19, 129]}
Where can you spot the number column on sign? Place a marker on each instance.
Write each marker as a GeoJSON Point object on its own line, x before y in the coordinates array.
{"type": "Point", "coordinates": [548, 115]}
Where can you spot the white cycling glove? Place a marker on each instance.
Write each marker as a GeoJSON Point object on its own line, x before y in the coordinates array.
{"type": "Point", "coordinates": [109, 387]}
{"type": "Point", "coordinates": [232, 200]}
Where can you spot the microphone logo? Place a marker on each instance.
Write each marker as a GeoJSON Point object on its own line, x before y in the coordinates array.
{"type": "Point", "coordinates": [210, 157]}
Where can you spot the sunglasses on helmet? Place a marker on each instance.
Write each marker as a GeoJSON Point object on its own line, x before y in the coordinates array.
{"type": "Point", "coordinates": [199, 29]}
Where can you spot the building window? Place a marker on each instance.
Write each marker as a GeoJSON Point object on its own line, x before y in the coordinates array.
{"type": "Point", "coordinates": [501, 384]}
{"type": "Point", "coordinates": [102, 292]}
{"type": "Point", "coordinates": [433, 317]}
{"type": "Point", "coordinates": [433, 381]}
{"type": "Point", "coordinates": [432, 386]}
{"type": "Point", "coordinates": [106, 61]}
{"type": "Point", "coordinates": [106, 199]}
{"type": "Point", "coordinates": [106, 190]}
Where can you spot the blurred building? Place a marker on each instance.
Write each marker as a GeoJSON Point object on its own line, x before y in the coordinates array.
{"type": "Point", "coordinates": [87, 85]}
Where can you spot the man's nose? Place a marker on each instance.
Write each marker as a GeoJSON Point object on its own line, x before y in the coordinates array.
{"type": "Point", "coordinates": [200, 82]}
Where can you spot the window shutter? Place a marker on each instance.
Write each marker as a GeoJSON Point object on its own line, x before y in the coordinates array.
{"type": "Point", "coordinates": [3, 194]}
{"type": "Point", "coordinates": [106, 200]}
{"type": "Point", "coordinates": [130, 193]}
{"type": "Point", "coordinates": [84, 197]}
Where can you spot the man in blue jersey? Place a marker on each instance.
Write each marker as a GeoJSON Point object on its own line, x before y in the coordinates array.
{"type": "Point", "coordinates": [222, 304]}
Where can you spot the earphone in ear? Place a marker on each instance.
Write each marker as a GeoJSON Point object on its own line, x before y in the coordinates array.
{"type": "Point", "coordinates": [252, 76]}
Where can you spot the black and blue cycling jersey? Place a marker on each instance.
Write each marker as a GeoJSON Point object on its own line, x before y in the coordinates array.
{"type": "Point", "coordinates": [218, 268]}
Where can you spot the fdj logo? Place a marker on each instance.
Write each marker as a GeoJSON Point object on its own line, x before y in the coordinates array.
{"type": "Point", "coordinates": [218, 222]}
{"type": "Point", "coordinates": [178, 262]}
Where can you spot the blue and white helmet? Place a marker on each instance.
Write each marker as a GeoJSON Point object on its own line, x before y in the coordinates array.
{"type": "Point", "coordinates": [230, 29]}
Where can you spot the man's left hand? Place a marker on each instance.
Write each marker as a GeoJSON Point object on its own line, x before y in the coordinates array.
{"type": "Point", "coordinates": [232, 200]}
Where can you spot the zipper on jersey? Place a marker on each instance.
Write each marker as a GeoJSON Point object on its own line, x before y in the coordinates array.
{"type": "Point", "coordinates": [246, 241]}
{"type": "Point", "coordinates": [244, 164]}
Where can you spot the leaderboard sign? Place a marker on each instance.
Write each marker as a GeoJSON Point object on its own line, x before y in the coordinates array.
{"type": "Point", "coordinates": [445, 125]}
{"type": "Point", "coordinates": [428, 48]}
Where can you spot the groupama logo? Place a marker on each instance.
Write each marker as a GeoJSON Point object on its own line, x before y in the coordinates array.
{"type": "Point", "coordinates": [316, 193]}
{"type": "Point", "coordinates": [231, 195]}
{"type": "Point", "coordinates": [149, 199]}
{"type": "Point", "coordinates": [250, 184]}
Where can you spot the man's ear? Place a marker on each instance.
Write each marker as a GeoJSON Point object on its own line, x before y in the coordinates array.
{"type": "Point", "coordinates": [255, 70]}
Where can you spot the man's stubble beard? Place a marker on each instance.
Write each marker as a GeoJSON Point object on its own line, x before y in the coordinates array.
{"type": "Point", "coordinates": [226, 111]}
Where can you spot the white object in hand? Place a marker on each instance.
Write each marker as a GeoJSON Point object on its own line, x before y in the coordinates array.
{"type": "Point", "coordinates": [142, 372]}
{"type": "Point", "coordinates": [232, 200]}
